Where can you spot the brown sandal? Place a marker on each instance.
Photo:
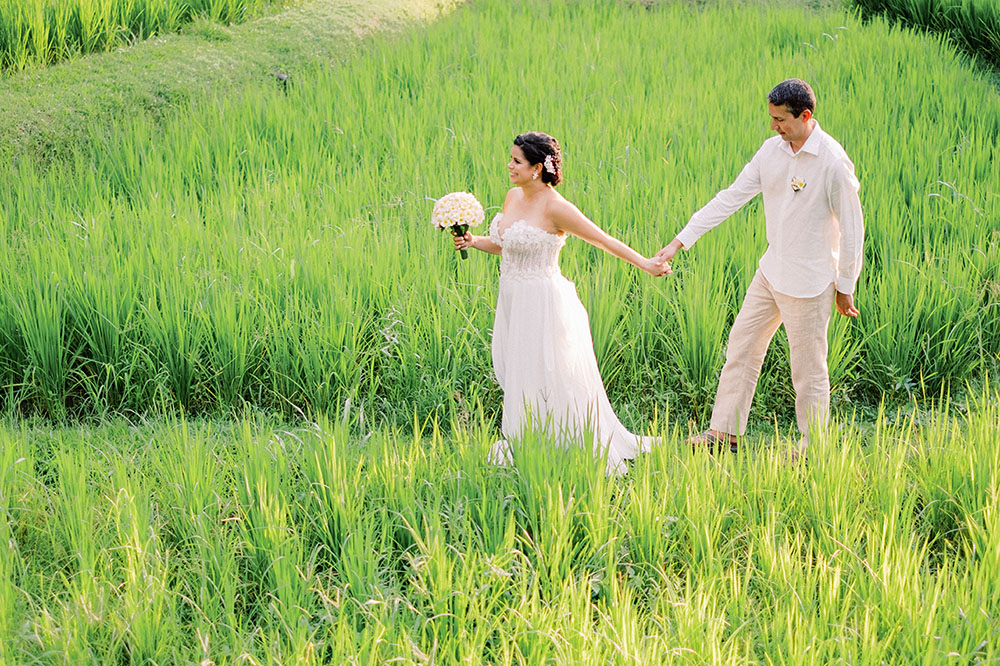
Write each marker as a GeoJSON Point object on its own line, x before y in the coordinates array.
{"type": "Point", "coordinates": [712, 442]}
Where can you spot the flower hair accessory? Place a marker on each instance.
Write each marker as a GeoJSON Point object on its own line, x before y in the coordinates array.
{"type": "Point", "coordinates": [550, 164]}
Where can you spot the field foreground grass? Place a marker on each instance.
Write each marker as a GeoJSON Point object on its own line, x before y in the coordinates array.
{"type": "Point", "coordinates": [249, 542]}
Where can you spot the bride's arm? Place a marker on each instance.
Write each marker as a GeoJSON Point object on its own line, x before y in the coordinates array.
{"type": "Point", "coordinates": [568, 218]}
{"type": "Point", "coordinates": [481, 243]}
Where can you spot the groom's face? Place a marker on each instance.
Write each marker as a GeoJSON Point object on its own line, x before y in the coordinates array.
{"type": "Point", "coordinates": [791, 129]}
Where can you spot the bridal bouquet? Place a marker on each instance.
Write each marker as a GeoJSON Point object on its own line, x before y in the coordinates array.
{"type": "Point", "coordinates": [457, 211]}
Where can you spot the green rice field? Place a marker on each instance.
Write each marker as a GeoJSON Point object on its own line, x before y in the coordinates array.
{"type": "Point", "coordinates": [248, 390]}
{"type": "Point", "coordinates": [275, 250]}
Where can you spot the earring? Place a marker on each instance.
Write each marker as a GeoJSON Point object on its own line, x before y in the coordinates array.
{"type": "Point", "coordinates": [534, 176]}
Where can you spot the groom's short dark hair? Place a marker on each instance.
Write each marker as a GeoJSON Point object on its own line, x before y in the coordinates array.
{"type": "Point", "coordinates": [795, 95]}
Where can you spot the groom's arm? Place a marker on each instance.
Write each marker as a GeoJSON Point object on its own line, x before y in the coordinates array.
{"type": "Point", "coordinates": [667, 253]}
{"type": "Point", "coordinates": [725, 203]}
{"type": "Point", "coordinates": [846, 207]}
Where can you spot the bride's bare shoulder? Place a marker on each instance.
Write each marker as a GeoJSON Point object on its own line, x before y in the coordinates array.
{"type": "Point", "coordinates": [558, 206]}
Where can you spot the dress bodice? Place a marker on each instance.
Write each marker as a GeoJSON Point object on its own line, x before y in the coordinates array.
{"type": "Point", "coordinates": [527, 251]}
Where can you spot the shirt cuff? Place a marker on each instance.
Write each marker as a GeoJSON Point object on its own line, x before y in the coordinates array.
{"type": "Point", "coordinates": [687, 238]}
{"type": "Point", "coordinates": [845, 285]}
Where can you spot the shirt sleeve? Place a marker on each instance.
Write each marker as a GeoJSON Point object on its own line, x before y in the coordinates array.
{"type": "Point", "coordinates": [847, 209]}
{"type": "Point", "coordinates": [725, 203]}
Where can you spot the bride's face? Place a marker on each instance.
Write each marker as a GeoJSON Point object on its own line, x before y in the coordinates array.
{"type": "Point", "coordinates": [520, 170]}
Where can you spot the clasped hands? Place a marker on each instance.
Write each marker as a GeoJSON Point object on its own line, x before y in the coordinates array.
{"type": "Point", "coordinates": [663, 257]}
{"type": "Point", "coordinates": [656, 266]}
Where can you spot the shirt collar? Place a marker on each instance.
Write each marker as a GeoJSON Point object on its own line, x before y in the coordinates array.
{"type": "Point", "coordinates": [811, 145]}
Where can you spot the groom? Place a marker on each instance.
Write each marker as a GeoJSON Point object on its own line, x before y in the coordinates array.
{"type": "Point", "coordinates": [814, 238]}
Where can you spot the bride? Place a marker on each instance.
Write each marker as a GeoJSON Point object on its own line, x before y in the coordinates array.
{"type": "Point", "coordinates": [543, 353]}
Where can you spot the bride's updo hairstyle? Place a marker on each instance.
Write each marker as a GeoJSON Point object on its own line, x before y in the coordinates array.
{"type": "Point", "coordinates": [540, 148]}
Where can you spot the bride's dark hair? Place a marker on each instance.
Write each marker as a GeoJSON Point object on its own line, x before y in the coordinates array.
{"type": "Point", "coordinates": [537, 146]}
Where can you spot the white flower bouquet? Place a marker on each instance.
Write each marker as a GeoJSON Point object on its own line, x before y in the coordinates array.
{"type": "Point", "coordinates": [457, 211]}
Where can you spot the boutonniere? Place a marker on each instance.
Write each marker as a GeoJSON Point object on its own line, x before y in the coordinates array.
{"type": "Point", "coordinates": [798, 184]}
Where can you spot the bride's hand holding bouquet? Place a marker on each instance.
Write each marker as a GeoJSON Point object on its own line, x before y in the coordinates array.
{"type": "Point", "coordinates": [457, 212]}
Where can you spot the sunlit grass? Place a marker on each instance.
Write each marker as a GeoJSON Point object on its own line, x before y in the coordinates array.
{"type": "Point", "coordinates": [180, 541]}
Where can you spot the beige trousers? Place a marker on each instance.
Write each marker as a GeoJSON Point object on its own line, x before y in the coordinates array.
{"type": "Point", "coordinates": [806, 321]}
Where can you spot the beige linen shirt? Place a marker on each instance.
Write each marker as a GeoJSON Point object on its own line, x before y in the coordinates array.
{"type": "Point", "coordinates": [814, 234]}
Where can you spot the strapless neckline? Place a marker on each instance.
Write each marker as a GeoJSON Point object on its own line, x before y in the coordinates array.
{"type": "Point", "coordinates": [524, 223]}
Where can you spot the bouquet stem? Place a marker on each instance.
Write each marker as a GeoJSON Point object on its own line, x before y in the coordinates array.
{"type": "Point", "coordinates": [460, 230]}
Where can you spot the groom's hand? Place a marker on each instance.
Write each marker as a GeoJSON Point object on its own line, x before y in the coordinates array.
{"type": "Point", "coordinates": [845, 305]}
{"type": "Point", "coordinates": [667, 253]}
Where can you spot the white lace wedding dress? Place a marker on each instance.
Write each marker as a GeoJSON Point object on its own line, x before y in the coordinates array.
{"type": "Point", "coordinates": [543, 353]}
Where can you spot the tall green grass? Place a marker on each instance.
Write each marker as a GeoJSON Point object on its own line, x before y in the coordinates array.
{"type": "Point", "coordinates": [274, 249]}
{"type": "Point", "coordinates": [46, 31]}
{"type": "Point", "coordinates": [974, 25]}
{"type": "Point", "coordinates": [249, 542]}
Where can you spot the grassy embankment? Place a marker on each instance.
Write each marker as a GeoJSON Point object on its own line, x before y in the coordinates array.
{"type": "Point", "coordinates": [49, 112]}
{"type": "Point", "coordinates": [41, 32]}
